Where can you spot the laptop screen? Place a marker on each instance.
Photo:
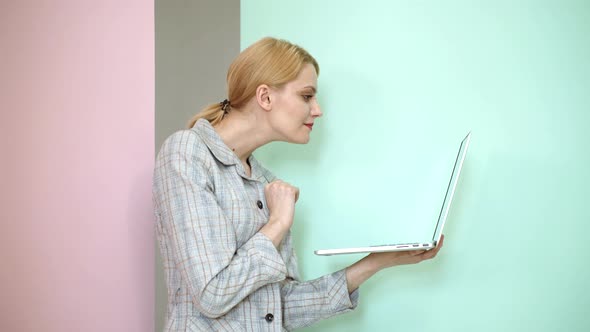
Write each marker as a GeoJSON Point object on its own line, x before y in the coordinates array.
{"type": "Point", "coordinates": [444, 211]}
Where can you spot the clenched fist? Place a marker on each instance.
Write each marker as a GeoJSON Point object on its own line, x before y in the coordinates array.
{"type": "Point", "coordinates": [280, 199]}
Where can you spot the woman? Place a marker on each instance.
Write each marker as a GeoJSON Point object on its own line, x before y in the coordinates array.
{"type": "Point", "coordinates": [223, 220]}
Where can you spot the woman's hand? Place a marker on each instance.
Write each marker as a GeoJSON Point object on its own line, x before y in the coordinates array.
{"type": "Point", "coordinates": [280, 200]}
{"type": "Point", "coordinates": [388, 259]}
{"type": "Point", "coordinates": [362, 270]}
{"type": "Point", "coordinates": [394, 258]}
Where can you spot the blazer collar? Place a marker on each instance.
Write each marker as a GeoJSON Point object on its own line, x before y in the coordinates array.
{"type": "Point", "coordinates": [213, 141]}
{"type": "Point", "coordinates": [224, 154]}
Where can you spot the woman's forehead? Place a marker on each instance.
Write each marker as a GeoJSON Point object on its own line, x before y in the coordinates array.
{"type": "Point", "coordinates": [307, 79]}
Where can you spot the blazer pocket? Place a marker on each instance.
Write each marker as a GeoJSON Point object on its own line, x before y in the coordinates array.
{"type": "Point", "coordinates": [203, 324]}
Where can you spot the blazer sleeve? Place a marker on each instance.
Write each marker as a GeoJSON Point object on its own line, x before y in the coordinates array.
{"type": "Point", "coordinates": [305, 303]}
{"type": "Point", "coordinates": [203, 242]}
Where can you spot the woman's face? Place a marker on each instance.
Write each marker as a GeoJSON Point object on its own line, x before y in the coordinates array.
{"type": "Point", "coordinates": [295, 107]}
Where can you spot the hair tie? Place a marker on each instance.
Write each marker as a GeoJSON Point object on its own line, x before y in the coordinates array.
{"type": "Point", "coordinates": [225, 106]}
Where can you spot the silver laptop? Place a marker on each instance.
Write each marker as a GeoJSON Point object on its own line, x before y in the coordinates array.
{"type": "Point", "coordinates": [444, 211]}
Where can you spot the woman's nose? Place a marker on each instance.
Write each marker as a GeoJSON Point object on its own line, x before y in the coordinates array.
{"type": "Point", "coordinates": [316, 110]}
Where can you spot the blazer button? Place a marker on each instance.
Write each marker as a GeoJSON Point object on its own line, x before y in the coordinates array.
{"type": "Point", "coordinates": [269, 318]}
{"type": "Point", "coordinates": [259, 203]}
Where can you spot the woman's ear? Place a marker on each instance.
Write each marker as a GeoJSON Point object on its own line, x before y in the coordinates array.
{"type": "Point", "coordinates": [263, 97]}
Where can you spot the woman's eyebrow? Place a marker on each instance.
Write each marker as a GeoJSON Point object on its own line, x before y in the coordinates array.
{"type": "Point", "coordinates": [313, 88]}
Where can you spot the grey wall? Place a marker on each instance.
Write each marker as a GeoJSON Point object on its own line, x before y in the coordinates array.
{"type": "Point", "coordinates": [195, 43]}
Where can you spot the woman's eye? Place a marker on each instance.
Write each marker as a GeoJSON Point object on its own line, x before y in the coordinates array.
{"type": "Point", "coordinates": [307, 97]}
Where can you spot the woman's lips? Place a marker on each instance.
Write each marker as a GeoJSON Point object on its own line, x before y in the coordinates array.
{"type": "Point", "coordinates": [309, 125]}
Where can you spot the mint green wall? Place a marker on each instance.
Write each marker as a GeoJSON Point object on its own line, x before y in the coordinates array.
{"type": "Point", "coordinates": [400, 84]}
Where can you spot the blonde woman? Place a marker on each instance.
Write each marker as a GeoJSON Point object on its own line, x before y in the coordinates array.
{"type": "Point", "coordinates": [223, 220]}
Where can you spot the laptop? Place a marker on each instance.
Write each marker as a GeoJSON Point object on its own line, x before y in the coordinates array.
{"type": "Point", "coordinates": [444, 211]}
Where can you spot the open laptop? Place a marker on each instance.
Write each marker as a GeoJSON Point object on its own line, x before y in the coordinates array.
{"type": "Point", "coordinates": [444, 211]}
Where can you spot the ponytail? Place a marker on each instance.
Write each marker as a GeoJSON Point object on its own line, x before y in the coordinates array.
{"type": "Point", "coordinates": [213, 113]}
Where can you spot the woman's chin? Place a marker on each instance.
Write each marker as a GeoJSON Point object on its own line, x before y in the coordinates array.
{"type": "Point", "coordinates": [299, 139]}
{"type": "Point", "coordinates": [303, 140]}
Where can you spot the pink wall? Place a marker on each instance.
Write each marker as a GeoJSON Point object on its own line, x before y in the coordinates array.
{"type": "Point", "coordinates": [77, 123]}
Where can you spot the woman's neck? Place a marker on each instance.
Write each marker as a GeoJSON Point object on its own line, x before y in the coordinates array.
{"type": "Point", "coordinates": [242, 132]}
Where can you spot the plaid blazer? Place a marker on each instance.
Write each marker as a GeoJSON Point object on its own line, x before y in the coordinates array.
{"type": "Point", "coordinates": [222, 274]}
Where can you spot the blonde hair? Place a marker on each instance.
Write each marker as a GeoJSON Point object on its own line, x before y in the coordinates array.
{"type": "Point", "coordinates": [270, 61]}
